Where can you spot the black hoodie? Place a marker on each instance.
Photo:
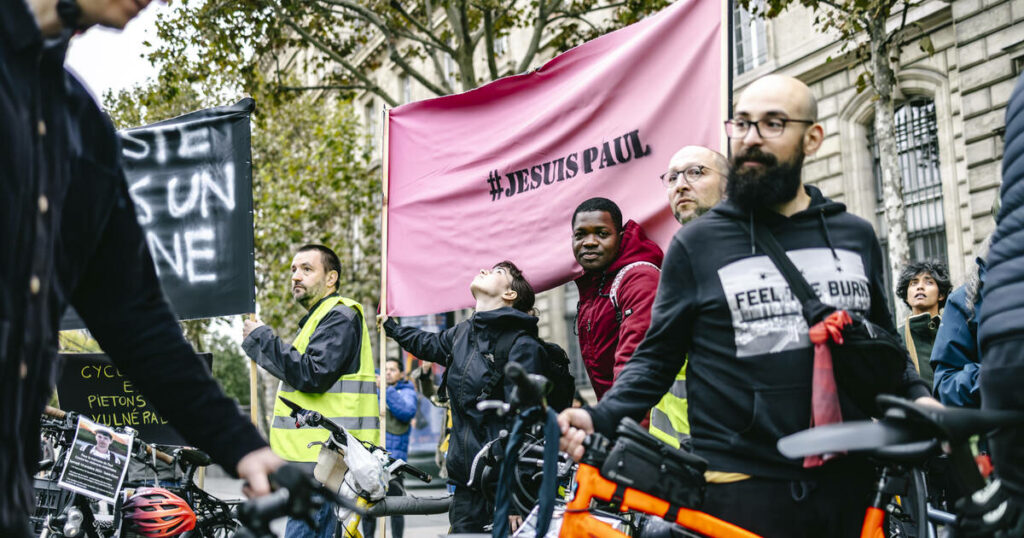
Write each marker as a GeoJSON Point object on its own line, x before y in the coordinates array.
{"type": "Point", "coordinates": [750, 360]}
{"type": "Point", "coordinates": [469, 373]}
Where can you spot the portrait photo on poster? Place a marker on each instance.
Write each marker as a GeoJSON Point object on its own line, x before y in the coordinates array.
{"type": "Point", "coordinates": [98, 461]}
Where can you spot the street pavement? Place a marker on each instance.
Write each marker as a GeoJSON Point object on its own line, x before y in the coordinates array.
{"type": "Point", "coordinates": [217, 483]}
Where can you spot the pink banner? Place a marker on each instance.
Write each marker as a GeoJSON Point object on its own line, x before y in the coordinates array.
{"type": "Point", "coordinates": [495, 173]}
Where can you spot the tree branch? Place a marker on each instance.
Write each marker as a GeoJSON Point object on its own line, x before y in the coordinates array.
{"type": "Point", "coordinates": [331, 53]}
{"type": "Point", "coordinates": [488, 30]}
{"type": "Point", "coordinates": [543, 13]}
{"type": "Point", "coordinates": [397, 6]}
{"type": "Point", "coordinates": [396, 57]}
{"type": "Point", "coordinates": [322, 87]}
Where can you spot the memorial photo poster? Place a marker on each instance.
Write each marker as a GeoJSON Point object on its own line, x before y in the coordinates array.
{"type": "Point", "coordinates": [98, 461]}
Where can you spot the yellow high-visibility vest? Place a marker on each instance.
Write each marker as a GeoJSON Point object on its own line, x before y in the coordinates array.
{"type": "Point", "coordinates": [351, 402]}
{"type": "Point", "coordinates": [669, 421]}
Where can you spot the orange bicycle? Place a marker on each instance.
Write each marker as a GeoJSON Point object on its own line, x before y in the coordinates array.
{"type": "Point", "coordinates": [639, 473]}
{"type": "Point", "coordinates": [659, 471]}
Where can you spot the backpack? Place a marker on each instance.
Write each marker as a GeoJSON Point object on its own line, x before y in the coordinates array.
{"type": "Point", "coordinates": [555, 363]}
{"type": "Point", "coordinates": [613, 292]}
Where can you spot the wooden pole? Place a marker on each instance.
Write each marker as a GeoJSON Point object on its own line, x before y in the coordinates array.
{"type": "Point", "coordinates": [254, 393]}
{"type": "Point", "coordinates": [382, 385]}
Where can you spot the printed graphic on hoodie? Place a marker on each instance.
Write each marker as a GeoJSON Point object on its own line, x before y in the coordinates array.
{"type": "Point", "coordinates": [766, 317]}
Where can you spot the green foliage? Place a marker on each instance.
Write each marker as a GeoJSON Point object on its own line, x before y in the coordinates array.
{"type": "Point", "coordinates": [335, 45]}
{"type": "Point", "coordinates": [230, 366]}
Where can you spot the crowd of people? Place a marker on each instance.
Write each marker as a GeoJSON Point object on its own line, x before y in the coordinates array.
{"type": "Point", "coordinates": [704, 342]}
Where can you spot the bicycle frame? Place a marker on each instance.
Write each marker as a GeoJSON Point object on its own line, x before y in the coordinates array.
{"type": "Point", "coordinates": [590, 485]}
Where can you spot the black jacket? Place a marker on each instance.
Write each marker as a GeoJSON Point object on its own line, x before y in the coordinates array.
{"type": "Point", "coordinates": [333, 351]}
{"type": "Point", "coordinates": [750, 359]}
{"type": "Point", "coordinates": [69, 234]}
{"type": "Point", "coordinates": [469, 373]}
{"type": "Point", "coordinates": [1001, 324]}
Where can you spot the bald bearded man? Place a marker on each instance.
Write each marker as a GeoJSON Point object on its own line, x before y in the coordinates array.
{"type": "Point", "coordinates": [695, 181]}
{"type": "Point", "coordinates": [722, 301]}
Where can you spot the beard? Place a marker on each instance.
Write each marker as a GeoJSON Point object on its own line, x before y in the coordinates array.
{"type": "Point", "coordinates": [775, 184]}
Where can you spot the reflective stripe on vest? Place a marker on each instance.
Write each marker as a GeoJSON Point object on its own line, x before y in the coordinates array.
{"type": "Point", "coordinates": [351, 402]}
{"type": "Point", "coordinates": [669, 420]}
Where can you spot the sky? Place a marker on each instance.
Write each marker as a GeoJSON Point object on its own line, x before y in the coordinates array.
{"type": "Point", "coordinates": [107, 59]}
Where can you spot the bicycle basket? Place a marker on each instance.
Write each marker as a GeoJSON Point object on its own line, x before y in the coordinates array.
{"type": "Point", "coordinates": [50, 500]}
{"type": "Point", "coordinates": [642, 462]}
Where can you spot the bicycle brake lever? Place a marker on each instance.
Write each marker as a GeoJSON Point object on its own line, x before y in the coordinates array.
{"type": "Point", "coordinates": [499, 407]}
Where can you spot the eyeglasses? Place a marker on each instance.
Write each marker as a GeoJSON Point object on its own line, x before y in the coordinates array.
{"type": "Point", "coordinates": [691, 175]}
{"type": "Point", "coordinates": [765, 127]}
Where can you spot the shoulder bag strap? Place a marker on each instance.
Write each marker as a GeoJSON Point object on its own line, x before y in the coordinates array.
{"type": "Point", "coordinates": [813, 309]}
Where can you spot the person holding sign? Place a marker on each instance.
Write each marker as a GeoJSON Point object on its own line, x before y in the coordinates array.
{"type": "Point", "coordinates": [328, 367]}
{"type": "Point", "coordinates": [70, 235]}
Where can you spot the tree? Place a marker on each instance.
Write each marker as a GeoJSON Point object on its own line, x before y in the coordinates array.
{"type": "Point", "coordinates": [335, 45]}
{"type": "Point", "coordinates": [861, 25]}
{"type": "Point", "coordinates": [311, 183]}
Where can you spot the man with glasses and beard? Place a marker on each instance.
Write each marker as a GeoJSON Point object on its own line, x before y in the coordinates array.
{"type": "Point", "coordinates": [722, 301]}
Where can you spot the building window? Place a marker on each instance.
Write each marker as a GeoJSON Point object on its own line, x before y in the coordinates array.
{"type": "Point", "coordinates": [449, 67]}
{"type": "Point", "coordinates": [501, 46]}
{"type": "Point", "coordinates": [370, 116]}
{"type": "Point", "coordinates": [917, 144]}
{"type": "Point", "coordinates": [750, 48]}
{"type": "Point", "coordinates": [406, 83]}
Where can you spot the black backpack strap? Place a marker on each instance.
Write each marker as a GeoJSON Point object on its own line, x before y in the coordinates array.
{"type": "Point", "coordinates": [813, 309]}
{"type": "Point", "coordinates": [502, 348]}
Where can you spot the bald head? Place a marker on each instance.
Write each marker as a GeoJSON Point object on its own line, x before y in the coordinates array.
{"type": "Point", "coordinates": [690, 197]}
{"type": "Point", "coordinates": [791, 93]}
{"type": "Point", "coordinates": [698, 155]}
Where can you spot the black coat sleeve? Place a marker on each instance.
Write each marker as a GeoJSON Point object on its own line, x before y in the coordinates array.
{"type": "Point", "coordinates": [120, 299]}
{"type": "Point", "coordinates": [651, 371]}
{"type": "Point", "coordinates": [1001, 329]}
{"type": "Point", "coordinates": [433, 347]}
{"type": "Point", "coordinates": [333, 351]}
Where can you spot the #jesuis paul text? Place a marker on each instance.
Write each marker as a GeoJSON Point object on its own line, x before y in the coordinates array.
{"type": "Point", "coordinates": [618, 151]}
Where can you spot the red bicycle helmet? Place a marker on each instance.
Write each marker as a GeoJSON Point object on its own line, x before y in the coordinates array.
{"type": "Point", "coordinates": [156, 512]}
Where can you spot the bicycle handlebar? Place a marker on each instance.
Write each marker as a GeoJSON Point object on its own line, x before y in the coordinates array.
{"type": "Point", "coordinates": [530, 388]}
{"type": "Point", "coordinates": [300, 496]}
{"type": "Point", "coordinates": [411, 506]}
{"type": "Point", "coordinates": [416, 472]}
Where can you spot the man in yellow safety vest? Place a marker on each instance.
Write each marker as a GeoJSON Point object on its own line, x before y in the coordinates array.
{"type": "Point", "coordinates": [328, 367]}
{"type": "Point", "coordinates": [694, 183]}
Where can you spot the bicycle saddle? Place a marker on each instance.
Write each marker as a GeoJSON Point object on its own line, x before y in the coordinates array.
{"type": "Point", "coordinates": [906, 432]}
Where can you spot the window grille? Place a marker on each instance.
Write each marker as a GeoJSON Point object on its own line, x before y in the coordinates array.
{"type": "Point", "coordinates": [917, 145]}
{"type": "Point", "coordinates": [749, 43]}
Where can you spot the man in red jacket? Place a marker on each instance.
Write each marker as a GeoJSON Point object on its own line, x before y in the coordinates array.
{"type": "Point", "coordinates": [621, 270]}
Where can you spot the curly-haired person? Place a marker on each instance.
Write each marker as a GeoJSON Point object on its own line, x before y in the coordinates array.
{"type": "Point", "coordinates": [924, 287]}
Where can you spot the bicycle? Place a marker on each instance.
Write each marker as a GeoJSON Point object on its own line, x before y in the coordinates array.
{"type": "Point", "coordinates": [906, 436]}
{"type": "Point", "coordinates": [359, 471]}
{"type": "Point", "coordinates": [63, 513]}
{"type": "Point", "coordinates": [60, 512]}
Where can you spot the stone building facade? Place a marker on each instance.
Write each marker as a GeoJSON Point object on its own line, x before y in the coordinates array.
{"type": "Point", "coordinates": [950, 121]}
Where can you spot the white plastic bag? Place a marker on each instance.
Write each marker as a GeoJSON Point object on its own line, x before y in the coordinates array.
{"type": "Point", "coordinates": [366, 472]}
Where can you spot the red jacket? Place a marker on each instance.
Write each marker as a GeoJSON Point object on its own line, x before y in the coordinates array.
{"type": "Point", "coordinates": [606, 344]}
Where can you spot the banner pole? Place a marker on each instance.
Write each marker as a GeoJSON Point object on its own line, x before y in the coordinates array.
{"type": "Point", "coordinates": [254, 394]}
{"type": "Point", "coordinates": [727, 67]}
{"type": "Point", "coordinates": [383, 342]}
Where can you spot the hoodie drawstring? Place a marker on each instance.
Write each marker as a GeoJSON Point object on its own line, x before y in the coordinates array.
{"type": "Point", "coordinates": [752, 242]}
{"type": "Point", "coordinates": [828, 237]}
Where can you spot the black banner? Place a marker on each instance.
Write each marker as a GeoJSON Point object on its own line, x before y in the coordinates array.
{"type": "Point", "coordinates": [91, 385]}
{"type": "Point", "coordinates": [191, 180]}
